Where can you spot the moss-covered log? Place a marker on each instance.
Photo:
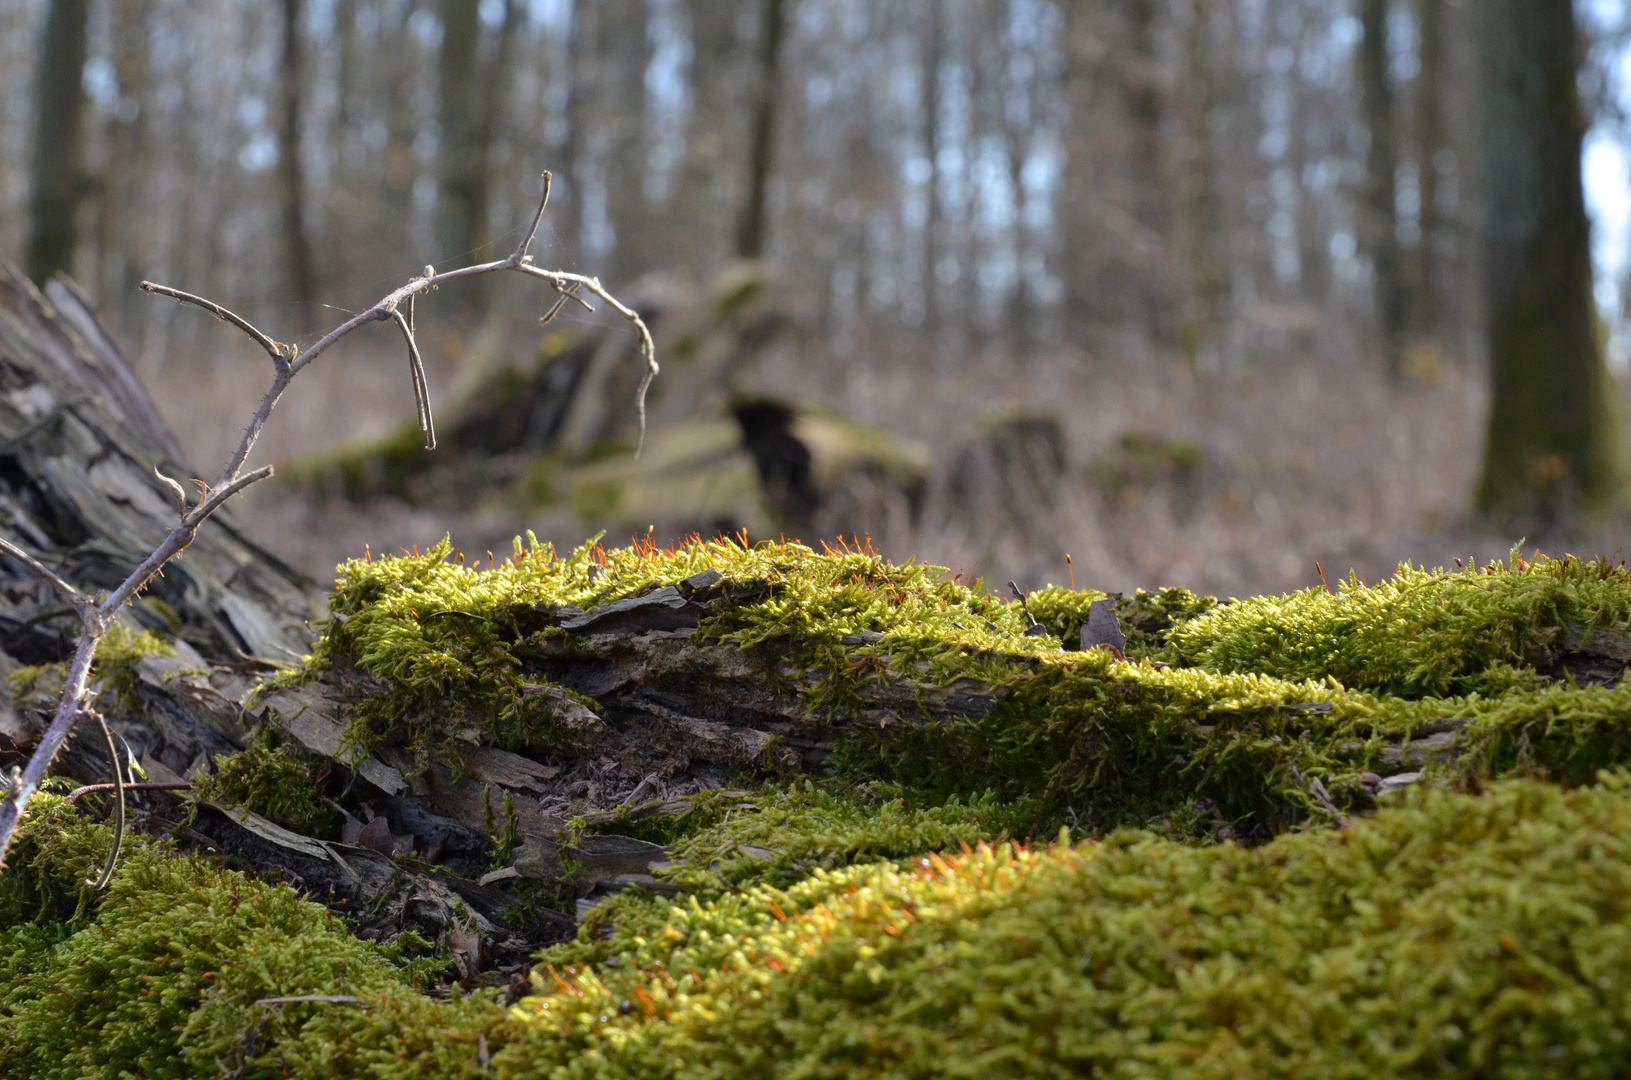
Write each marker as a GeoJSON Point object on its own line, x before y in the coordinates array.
{"type": "Point", "coordinates": [570, 726]}
{"type": "Point", "coordinates": [730, 767]}
{"type": "Point", "coordinates": [1453, 935]}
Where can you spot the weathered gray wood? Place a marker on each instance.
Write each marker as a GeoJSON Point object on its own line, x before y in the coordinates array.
{"type": "Point", "coordinates": [79, 440]}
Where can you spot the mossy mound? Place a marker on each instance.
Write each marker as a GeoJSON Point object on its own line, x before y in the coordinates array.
{"type": "Point", "coordinates": [1455, 935]}
{"type": "Point", "coordinates": [890, 905]}
{"type": "Point", "coordinates": [167, 973]}
{"type": "Point", "coordinates": [1421, 633]}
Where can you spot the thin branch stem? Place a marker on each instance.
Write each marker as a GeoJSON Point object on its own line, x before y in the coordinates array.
{"type": "Point", "coordinates": [92, 789]}
{"type": "Point", "coordinates": [28, 781]}
{"type": "Point", "coordinates": [212, 502]}
{"type": "Point", "coordinates": [648, 348]}
{"type": "Point", "coordinates": [73, 595]}
{"type": "Point", "coordinates": [106, 876]}
{"type": "Point", "coordinates": [276, 349]}
{"type": "Point", "coordinates": [532, 230]}
{"type": "Point", "coordinates": [416, 368]}
{"type": "Point", "coordinates": [283, 374]}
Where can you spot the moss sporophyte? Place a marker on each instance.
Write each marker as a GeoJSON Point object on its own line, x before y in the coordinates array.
{"type": "Point", "coordinates": [900, 911]}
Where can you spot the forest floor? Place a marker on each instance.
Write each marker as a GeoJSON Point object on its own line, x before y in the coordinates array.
{"type": "Point", "coordinates": [1234, 485]}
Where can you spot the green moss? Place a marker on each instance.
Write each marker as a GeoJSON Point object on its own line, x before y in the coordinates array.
{"type": "Point", "coordinates": [1452, 935]}
{"type": "Point", "coordinates": [159, 977]}
{"type": "Point", "coordinates": [278, 782]}
{"type": "Point", "coordinates": [1455, 936]}
{"type": "Point", "coordinates": [1421, 633]}
{"type": "Point", "coordinates": [1145, 619]}
{"type": "Point", "coordinates": [1232, 733]}
{"type": "Point", "coordinates": [113, 671]}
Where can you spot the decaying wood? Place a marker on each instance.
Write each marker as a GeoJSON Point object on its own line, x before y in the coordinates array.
{"type": "Point", "coordinates": [79, 442]}
{"type": "Point", "coordinates": [96, 614]}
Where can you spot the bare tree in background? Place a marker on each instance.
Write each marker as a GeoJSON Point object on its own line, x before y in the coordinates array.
{"type": "Point", "coordinates": [1552, 444]}
{"type": "Point", "coordinates": [463, 154]}
{"type": "Point", "coordinates": [291, 170]}
{"type": "Point", "coordinates": [934, 57]}
{"type": "Point", "coordinates": [1113, 197]}
{"type": "Point", "coordinates": [1381, 226]}
{"type": "Point", "coordinates": [705, 202]}
{"type": "Point", "coordinates": [1195, 195]}
{"type": "Point", "coordinates": [751, 228]}
{"type": "Point", "coordinates": [472, 106]}
{"type": "Point", "coordinates": [60, 105]}
{"type": "Point", "coordinates": [1430, 104]}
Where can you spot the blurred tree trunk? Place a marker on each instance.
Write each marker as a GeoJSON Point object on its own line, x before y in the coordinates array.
{"type": "Point", "coordinates": [934, 55]}
{"type": "Point", "coordinates": [472, 107]}
{"type": "Point", "coordinates": [1429, 94]}
{"type": "Point", "coordinates": [292, 173]}
{"type": "Point", "coordinates": [1196, 192]}
{"type": "Point", "coordinates": [1552, 443]}
{"type": "Point", "coordinates": [494, 113]}
{"type": "Point", "coordinates": [752, 226]}
{"type": "Point", "coordinates": [1381, 227]}
{"type": "Point", "coordinates": [1112, 209]}
{"type": "Point", "coordinates": [124, 173]}
{"type": "Point", "coordinates": [57, 168]}
{"type": "Point", "coordinates": [463, 155]}
{"type": "Point", "coordinates": [611, 51]}
{"type": "Point", "coordinates": [707, 197]}
{"type": "Point", "coordinates": [575, 167]}
{"type": "Point", "coordinates": [626, 51]}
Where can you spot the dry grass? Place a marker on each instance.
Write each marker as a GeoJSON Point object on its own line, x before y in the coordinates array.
{"type": "Point", "coordinates": [1294, 465]}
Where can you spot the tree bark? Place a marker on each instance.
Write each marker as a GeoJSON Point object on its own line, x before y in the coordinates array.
{"type": "Point", "coordinates": [57, 166]}
{"type": "Point", "coordinates": [1112, 204]}
{"type": "Point", "coordinates": [705, 205]}
{"type": "Point", "coordinates": [1381, 231]}
{"type": "Point", "coordinates": [292, 173]}
{"type": "Point", "coordinates": [1552, 444]}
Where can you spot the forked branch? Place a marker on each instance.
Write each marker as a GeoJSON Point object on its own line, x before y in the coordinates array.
{"type": "Point", "coordinates": [96, 615]}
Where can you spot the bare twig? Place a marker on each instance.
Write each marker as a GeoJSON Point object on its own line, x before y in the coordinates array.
{"type": "Point", "coordinates": [276, 349]}
{"type": "Point", "coordinates": [175, 489]}
{"type": "Point", "coordinates": [566, 294]}
{"type": "Point", "coordinates": [106, 875]}
{"type": "Point", "coordinates": [532, 230]}
{"type": "Point", "coordinates": [92, 789]}
{"type": "Point", "coordinates": [416, 368]}
{"type": "Point", "coordinates": [212, 502]}
{"type": "Point", "coordinates": [648, 349]}
{"type": "Point", "coordinates": [73, 595]}
{"type": "Point", "coordinates": [287, 362]}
